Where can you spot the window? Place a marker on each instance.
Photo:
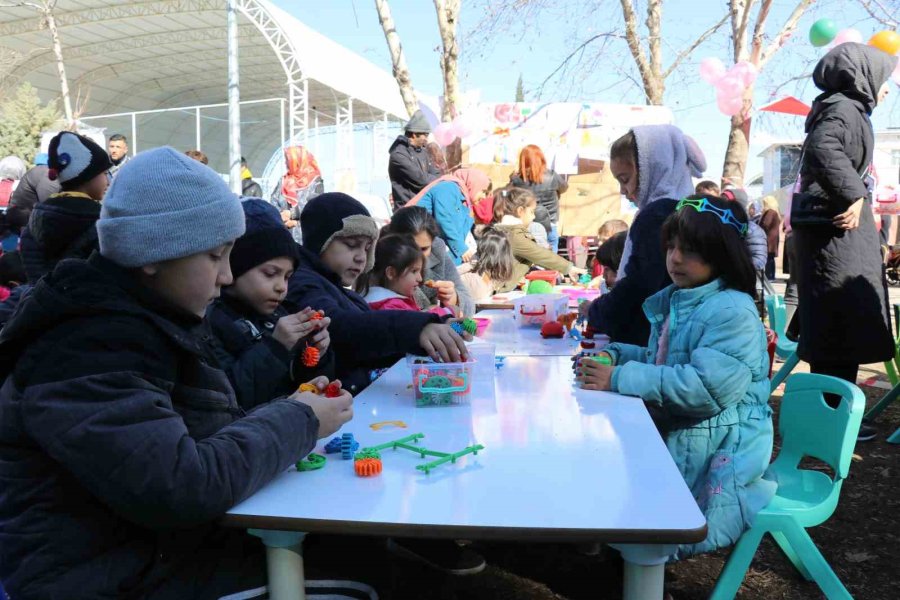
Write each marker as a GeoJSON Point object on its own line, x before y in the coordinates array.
{"type": "Point", "coordinates": [895, 158]}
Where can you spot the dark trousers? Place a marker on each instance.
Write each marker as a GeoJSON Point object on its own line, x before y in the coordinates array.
{"type": "Point", "coordinates": [770, 267]}
{"type": "Point", "coordinates": [841, 371]}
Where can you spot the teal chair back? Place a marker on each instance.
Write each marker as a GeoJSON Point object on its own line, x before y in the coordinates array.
{"type": "Point", "coordinates": [777, 314]}
{"type": "Point", "coordinates": [809, 427]}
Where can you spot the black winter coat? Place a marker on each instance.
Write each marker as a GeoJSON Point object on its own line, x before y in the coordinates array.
{"type": "Point", "coordinates": [362, 339]}
{"type": "Point", "coordinates": [547, 191]}
{"type": "Point", "coordinates": [409, 169]}
{"type": "Point", "coordinates": [843, 309]}
{"type": "Point", "coordinates": [259, 368]}
{"type": "Point", "coordinates": [35, 187]}
{"type": "Point", "coordinates": [620, 313]}
{"type": "Point", "coordinates": [121, 445]}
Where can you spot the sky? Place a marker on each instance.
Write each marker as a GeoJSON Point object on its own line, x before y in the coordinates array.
{"type": "Point", "coordinates": [492, 58]}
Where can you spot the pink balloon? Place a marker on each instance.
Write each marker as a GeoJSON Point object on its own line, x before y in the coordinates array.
{"type": "Point", "coordinates": [444, 134]}
{"type": "Point", "coordinates": [711, 70]}
{"type": "Point", "coordinates": [847, 35]}
{"type": "Point", "coordinates": [746, 70]}
{"type": "Point", "coordinates": [729, 105]}
{"type": "Point", "coordinates": [732, 85]}
{"type": "Point", "coordinates": [462, 126]}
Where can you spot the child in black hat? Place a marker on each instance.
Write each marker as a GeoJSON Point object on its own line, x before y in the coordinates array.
{"type": "Point", "coordinates": [339, 239]}
{"type": "Point", "coordinates": [266, 351]}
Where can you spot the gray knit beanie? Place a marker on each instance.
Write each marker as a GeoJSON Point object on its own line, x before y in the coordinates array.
{"type": "Point", "coordinates": [163, 205]}
{"type": "Point", "coordinates": [418, 123]}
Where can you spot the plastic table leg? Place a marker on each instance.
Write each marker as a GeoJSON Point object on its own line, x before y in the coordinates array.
{"type": "Point", "coordinates": [645, 570]}
{"type": "Point", "coordinates": [284, 561]}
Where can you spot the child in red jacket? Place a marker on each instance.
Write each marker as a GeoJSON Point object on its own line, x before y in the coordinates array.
{"type": "Point", "coordinates": [397, 273]}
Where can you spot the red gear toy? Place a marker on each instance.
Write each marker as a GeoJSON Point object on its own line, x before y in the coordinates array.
{"type": "Point", "coordinates": [310, 356]}
{"type": "Point", "coordinates": [332, 390]}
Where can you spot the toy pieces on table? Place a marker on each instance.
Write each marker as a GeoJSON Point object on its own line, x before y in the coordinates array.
{"type": "Point", "coordinates": [467, 325]}
{"type": "Point", "coordinates": [348, 446]}
{"type": "Point", "coordinates": [336, 445]}
{"type": "Point", "coordinates": [382, 424]}
{"type": "Point", "coordinates": [367, 467]}
{"type": "Point", "coordinates": [311, 463]}
{"type": "Point", "coordinates": [567, 320]}
{"type": "Point", "coordinates": [332, 390]}
{"type": "Point", "coordinates": [436, 398]}
{"type": "Point", "coordinates": [308, 387]}
{"type": "Point", "coordinates": [539, 286]}
{"type": "Point", "coordinates": [499, 362]}
{"type": "Point", "coordinates": [552, 329]}
{"type": "Point", "coordinates": [310, 357]}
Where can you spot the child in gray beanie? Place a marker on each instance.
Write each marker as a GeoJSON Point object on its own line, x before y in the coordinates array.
{"type": "Point", "coordinates": [132, 437]}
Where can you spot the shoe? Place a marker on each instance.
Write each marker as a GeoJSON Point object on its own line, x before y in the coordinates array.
{"type": "Point", "coordinates": [866, 433]}
{"type": "Point", "coordinates": [443, 555]}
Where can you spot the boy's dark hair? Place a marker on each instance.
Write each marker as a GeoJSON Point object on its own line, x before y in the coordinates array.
{"type": "Point", "coordinates": [508, 200]}
{"type": "Point", "coordinates": [707, 187]}
{"type": "Point", "coordinates": [413, 220]}
{"type": "Point", "coordinates": [392, 250]}
{"type": "Point", "coordinates": [717, 243]}
{"type": "Point", "coordinates": [198, 156]}
{"type": "Point", "coordinates": [12, 271]}
{"type": "Point", "coordinates": [243, 162]}
{"type": "Point", "coordinates": [495, 256]}
{"type": "Point", "coordinates": [625, 148]}
{"type": "Point", "coordinates": [609, 254]}
{"type": "Point", "coordinates": [118, 137]}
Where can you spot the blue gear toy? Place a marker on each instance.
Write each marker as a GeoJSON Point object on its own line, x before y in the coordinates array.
{"type": "Point", "coordinates": [348, 446]}
{"type": "Point", "coordinates": [334, 446]}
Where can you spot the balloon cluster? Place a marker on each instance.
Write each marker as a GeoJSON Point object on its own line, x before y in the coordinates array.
{"type": "Point", "coordinates": [825, 31]}
{"type": "Point", "coordinates": [730, 83]}
{"type": "Point", "coordinates": [445, 133]}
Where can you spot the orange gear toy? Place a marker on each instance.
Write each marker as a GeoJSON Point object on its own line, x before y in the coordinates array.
{"type": "Point", "coordinates": [310, 356]}
{"type": "Point", "coordinates": [317, 316]}
{"type": "Point", "coordinates": [367, 467]}
{"type": "Point", "coordinates": [308, 387]}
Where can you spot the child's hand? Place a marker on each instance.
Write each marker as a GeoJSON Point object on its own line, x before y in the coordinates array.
{"type": "Point", "coordinates": [332, 413]}
{"type": "Point", "coordinates": [467, 256]}
{"type": "Point", "coordinates": [594, 376]}
{"type": "Point", "coordinates": [446, 292]}
{"type": "Point", "coordinates": [291, 329]}
{"type": "Point", "coordinates": [575, 272]}
{"type": "Point", "coordinates": [442, 344]}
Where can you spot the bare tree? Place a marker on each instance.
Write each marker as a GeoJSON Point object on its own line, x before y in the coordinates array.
{"type": "Point", "coordinates": [398, 60]}
{"type": "Point", "coordinates": [45, 8]}
{"type": "Point", "coordinates": [883, 11]}
{"type": "Point", "coordinates": [754, 49]}
{"type": "Point", "coordinates": [448, 18]}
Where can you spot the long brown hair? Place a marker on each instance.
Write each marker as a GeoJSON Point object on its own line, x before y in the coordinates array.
{"type": "Point", "coordinates": [532, 164]}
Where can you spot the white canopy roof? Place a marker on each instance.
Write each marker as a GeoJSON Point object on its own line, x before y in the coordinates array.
{"type": "Point", "coordinates": [152, 54]}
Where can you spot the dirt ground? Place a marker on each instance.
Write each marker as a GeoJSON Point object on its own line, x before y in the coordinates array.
{"type": "Point", "coordinates": [861, 542]}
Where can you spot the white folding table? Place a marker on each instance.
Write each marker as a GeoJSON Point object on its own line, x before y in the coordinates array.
{"type": "Point", "coordinates": [559, 464]}
{"type": "Point", "coordinates": [512, 340]}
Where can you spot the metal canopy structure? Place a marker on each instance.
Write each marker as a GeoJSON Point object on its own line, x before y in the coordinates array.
{"type": "Point", "coordinates": [123, 57]}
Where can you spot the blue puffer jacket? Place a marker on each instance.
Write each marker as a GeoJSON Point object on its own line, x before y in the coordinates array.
{"type": "Point", "coordinates": [710, 401]}
{"type": "Point", "coordinates": [446, 202]}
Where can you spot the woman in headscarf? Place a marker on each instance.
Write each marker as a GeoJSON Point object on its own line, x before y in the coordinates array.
{"type": "Point", "coordinates": [843, 310]}
{"type": "Point", "coordinates": [654, 165]}
{"type": "Point", "coordinates": [452, 200]}
{"type": "Point", "coordinates": [12, 169]}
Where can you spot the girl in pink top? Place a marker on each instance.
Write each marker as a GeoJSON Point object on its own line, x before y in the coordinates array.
{"type": "Point", "coordinates": [397, 273]}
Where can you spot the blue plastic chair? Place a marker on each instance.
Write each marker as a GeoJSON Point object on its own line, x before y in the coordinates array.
{"type": "Point", "coordinates": [784, 348]}
{"type": "Point", "coordinates": [805, 497]}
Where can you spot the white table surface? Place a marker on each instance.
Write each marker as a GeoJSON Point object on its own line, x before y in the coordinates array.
{"type": "Point", "coordinates": [512, 340]}
{"type": "Point", "coordinates": [559, 464]}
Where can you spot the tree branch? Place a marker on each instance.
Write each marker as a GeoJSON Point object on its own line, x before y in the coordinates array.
{"type": "Point", "coordinates": [790, 25]}
{"type": "Point", "coordinates": [572, 54]}
{"type": "Point", "coordinates": [740, 34]}
{"type": "Point", "coordinates": [885, 19]}
{"type": "Point", "coordinates": [759, 30]}
{"type": "Point", "coordinates": [687, 51]}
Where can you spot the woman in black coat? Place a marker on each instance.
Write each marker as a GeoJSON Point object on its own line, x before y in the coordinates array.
{"type": "Point", "coordinates": [843, 308]}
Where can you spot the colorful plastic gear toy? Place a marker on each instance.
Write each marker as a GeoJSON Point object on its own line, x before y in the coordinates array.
{"type": "Point", "coordinates": [310, 356]}
{"type": "Point", "coordinates": [332, 390]}
{"type": "Point", "coordinates": [367, 467]}
{"type": "Point", "coordinates": [311, 463]}
{"type": "Point", "coordinates": [438, 381]}
{"type": "Point", "coordinates": [347, 446]}
{"type": "Point", "coordinates": [308, 387]}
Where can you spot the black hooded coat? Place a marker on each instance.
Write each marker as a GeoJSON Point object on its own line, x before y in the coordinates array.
{"type": "Point", "coordinates": [843, 309]}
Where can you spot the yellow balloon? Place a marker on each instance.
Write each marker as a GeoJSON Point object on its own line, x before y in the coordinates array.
{"type": "Point", "coordinates": [886, 41]}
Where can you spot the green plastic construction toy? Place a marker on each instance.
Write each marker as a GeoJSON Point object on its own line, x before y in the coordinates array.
{"type": "Point", "coordinates": [410, 443]}
{"type": "Point", "coordinates": [539, 286]}
{"type": "Point", "coordinates": [603, 359]}
{"type": "Point", "coordinates": [311, 463]}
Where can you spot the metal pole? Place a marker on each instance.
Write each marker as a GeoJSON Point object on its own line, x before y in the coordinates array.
{"type": "Point", "coordinates": [234, 102]}
{"type": "Point", "coordinates": [282, 122]}
{"type": "Point", "coordinates": [134, 145]}
{"type": "Point", "coordinates": [197, 127]}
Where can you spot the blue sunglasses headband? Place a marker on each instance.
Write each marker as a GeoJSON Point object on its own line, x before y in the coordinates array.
{"type": "Point", "coordinates": [725, 215]}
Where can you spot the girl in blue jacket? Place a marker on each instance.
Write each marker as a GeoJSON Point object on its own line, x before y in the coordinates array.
{"type": "Point", "coordinates": [704, 374]}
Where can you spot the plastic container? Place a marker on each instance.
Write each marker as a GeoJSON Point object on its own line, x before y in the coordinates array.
{"type": "Point", "coordinates": [441, 384]}
{"type": "Point", "coordinates": [550, 277]}
{"type": "Point", "coordinates": [483, 324]}
{"type": "Point", "coordinates": [484, 354]}
{"type": "Point", "coordinates": [536, 309]}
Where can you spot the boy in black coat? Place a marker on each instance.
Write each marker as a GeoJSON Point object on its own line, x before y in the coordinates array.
{"type": "Point", "coordinates": [338, 247]}
{"type": "Point", "coordinates": [259, 345]}
{"type": "Point", "coordinates": [121, 443]}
